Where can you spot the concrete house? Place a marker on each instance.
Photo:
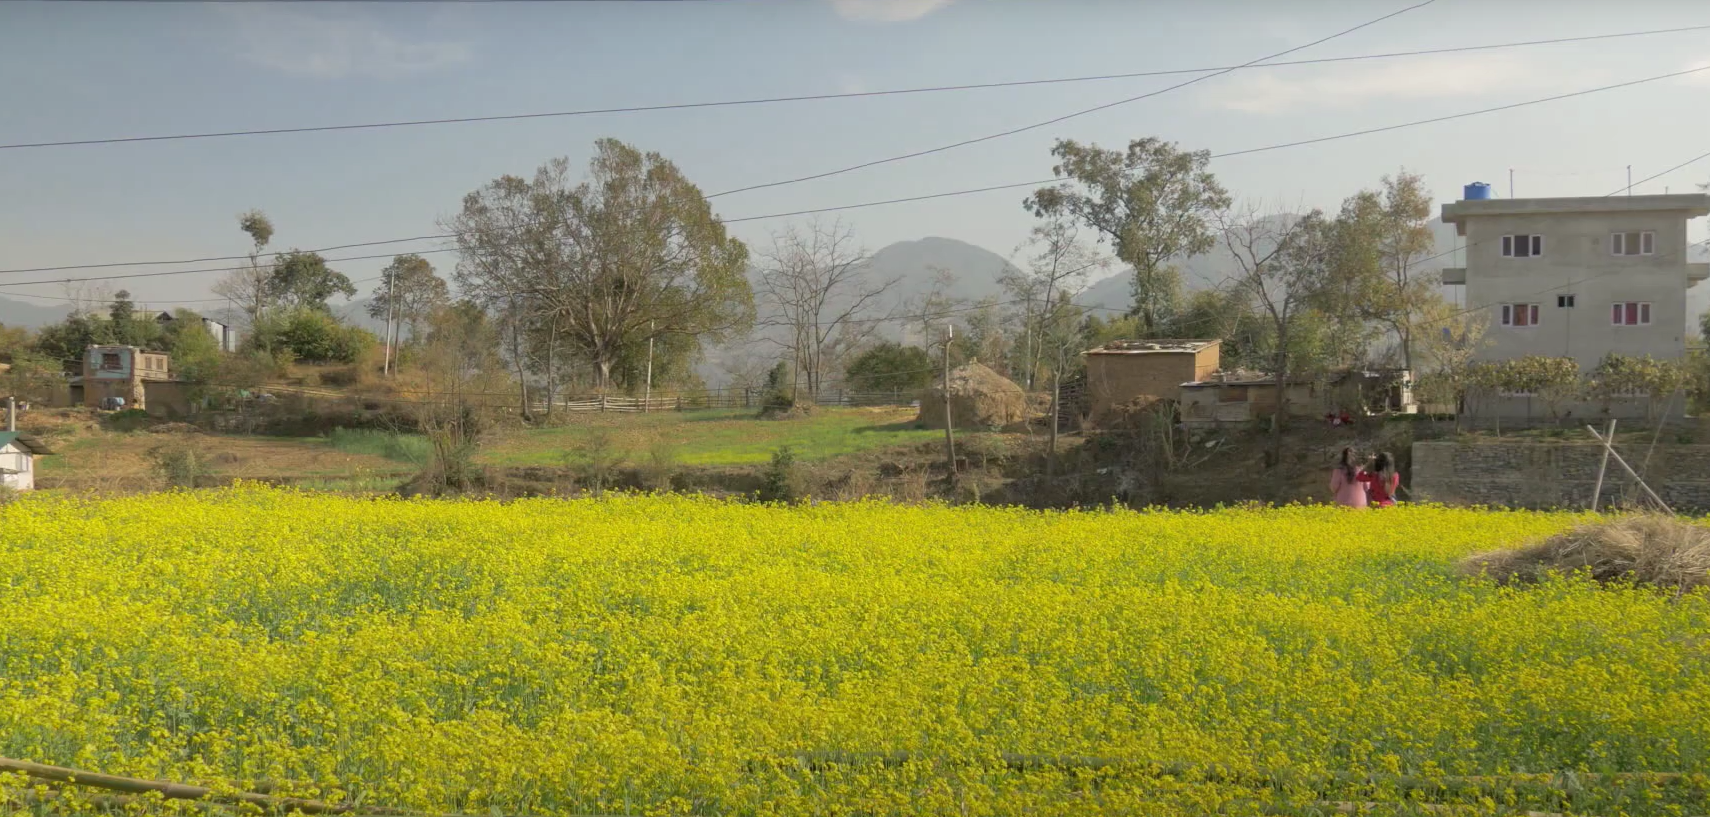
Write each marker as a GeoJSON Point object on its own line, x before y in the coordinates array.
{"type": "Point", "coordinates": [123, 372]}
{"type": "Point", "coordinates": [1579, 277]}
{"type": "Point", "coordinates": [17, 460]}
{"type": "Point", "coordinates": [1135, 373]}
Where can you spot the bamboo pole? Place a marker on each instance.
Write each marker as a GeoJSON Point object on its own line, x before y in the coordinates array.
{"type": "Point", "coordinates": [1597, 492]}
{"type": "Point", "coordinates": [1609, 447]}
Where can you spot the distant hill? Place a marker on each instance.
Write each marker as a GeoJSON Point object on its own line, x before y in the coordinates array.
{"type": "Point", "coordinates": [31, 315]}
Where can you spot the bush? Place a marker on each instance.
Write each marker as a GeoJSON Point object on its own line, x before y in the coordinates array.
{"type": "Point", "coordinates": [890, 367]}
{"type": "Point", "coordinates": [130, 419]}
{"type": "Point", "coordinates": [180, 464]}
{"type": "Point", "coordinates": [779, 482]}
{"type": "Point", "coordinates": [600, 459]}
{"type": "Point", "coordinates": [311, 336]}
{"type": "Point", "coordinates": [661, 464]}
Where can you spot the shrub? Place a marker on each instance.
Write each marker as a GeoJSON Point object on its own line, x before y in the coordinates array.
{"type": "Point", "coordinates": [311, 336]}
{"type": "Point", "coordinates": [779, 482]}
{"type": "Point", "coordinates": [661, 464]}
{"type": "Point", "coordinates": [601, 458]}
{"type": "Point", "coordinates": [890, 367]}
{"type": "Point", "coordinates": [180, 464]}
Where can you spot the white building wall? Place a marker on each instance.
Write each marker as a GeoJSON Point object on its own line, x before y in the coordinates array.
{"type": "Point", "coordinates": [17, 468]}
{"type": "Point", "coordinates": [1577, 261]}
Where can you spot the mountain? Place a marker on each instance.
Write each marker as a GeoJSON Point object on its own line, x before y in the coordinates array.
{"type": "Point", "coordinates": [30, 315]}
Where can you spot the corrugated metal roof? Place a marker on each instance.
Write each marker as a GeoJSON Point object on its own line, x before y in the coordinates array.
{"type": "Point", "coordinates": [1144, 347]}
{"type": "Point", "coordinates": [28, 442]}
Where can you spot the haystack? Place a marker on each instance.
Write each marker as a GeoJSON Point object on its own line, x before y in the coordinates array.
{"type": "Point", "coordinates": [1662, 551]}
{"type": "Point", "coordinates": [979, 399]}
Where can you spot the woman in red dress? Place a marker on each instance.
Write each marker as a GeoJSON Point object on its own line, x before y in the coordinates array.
{"type": "Point", "coordinates": [1381, 481]}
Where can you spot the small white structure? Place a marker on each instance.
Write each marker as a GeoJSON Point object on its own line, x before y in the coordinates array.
{"type": "Point", "coordinates": [17, 460]}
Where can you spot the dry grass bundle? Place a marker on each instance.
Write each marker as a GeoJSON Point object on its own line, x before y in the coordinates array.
{"type": "Point", "coordinates": [979, 399]}
{"type": "Point", "coordinates": [1662, 551]}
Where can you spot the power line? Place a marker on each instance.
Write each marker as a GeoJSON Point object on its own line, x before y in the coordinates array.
{"type": "Point", "coordinates": [1436, 119]}
{"type": "Point", "coordinates": [830, 96]}
{"type": "Point", "coordinates": [1065, 117]}
{"type": "Point", "coordinates": [1622, 188]}
{"type": "Point", "coordinates": [817, 210]}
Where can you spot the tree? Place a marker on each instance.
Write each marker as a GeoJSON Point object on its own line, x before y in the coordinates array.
{"type": "Point", "coordinates": [1282, 264]}
{"type": "Point", "coordinates": [632, 251]}
{"type": "Point", "coordinates": [65, 342]}
{"type": "Point", "coordinates": [302, 280]}
{"type": "Point", "coordinates": [1388, 233]}
{"type": "Point", "coordinates": [1229, 314]}
{"type": "Point", "coordinates": [890, 366]}
{"type": "Point", "coordinates": [196, 355]}
{"type": "Point", "coordinates": [122, 311]}
{"type": "Point", "coordinates": [1058, 267]}
{"type": "Point", "coordinates": [1551, 379]}
{"type": "Point", "coordinates": [247, 285]}
{"type": "Point", "coordinates": [1449, 353]}
{"type": "Point", "coordinates": [815, 284]}
{"type": "Point", "coordinates": [1153, 202]}
{"type": "Point", "coordinates": [1623, 376]}
{"type": "Point", "coordinates": [409, 292]}
{"type": "Point", "coordinates": [455, 392]}
{"type": "Point", "coordinates": [310, 335]}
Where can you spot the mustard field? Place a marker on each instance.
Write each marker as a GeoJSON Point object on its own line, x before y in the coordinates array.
{"type": "Point", "coordinates": [674, 655]}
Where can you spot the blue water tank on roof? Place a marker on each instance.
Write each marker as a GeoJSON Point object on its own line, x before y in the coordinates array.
{"type": "Point", "coordinates": [1475, 191]}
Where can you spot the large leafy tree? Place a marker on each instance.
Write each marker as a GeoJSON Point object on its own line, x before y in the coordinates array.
{"type": "Point", "coordinates": [246, 286]}
{"type": "Point", "coordinates": [1153, 202]}
{"type": "Point", "coordinates": [409, 292]}
{"type": "Point", "coordinates": [889, 366]}
{"type": "Point", "coordinates": [1387, 236]}
{"type": "Point", "coordinates": [302, 280]}
{"type": "Point", "coordinates": [631, 251]}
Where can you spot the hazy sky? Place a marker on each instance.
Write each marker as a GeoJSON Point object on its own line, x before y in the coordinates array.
{"type": "Point", "coordinates": [95, 70]}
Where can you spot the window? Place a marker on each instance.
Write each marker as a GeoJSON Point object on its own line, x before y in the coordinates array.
{"type": "Point", "coordinates": [1631, 313]}
{"type": "Point", "coordinates": [1519, 314]}
{"type": "Point", "coordinates": [1564, 301]}
{"type": "Point", "coordinates": [1634, 243]}
{"type": "Point", "coordinates": [110, 361]}
{"type": "Point", "coordinates": [1522, 246]}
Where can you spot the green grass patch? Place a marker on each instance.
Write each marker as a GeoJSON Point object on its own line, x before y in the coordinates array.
{"type": "Point", "coordinates": [410, 448]}
{"type": "Point", "coordinates": [710, 438]}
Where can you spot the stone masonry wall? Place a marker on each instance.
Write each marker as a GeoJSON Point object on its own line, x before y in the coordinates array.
{"type": "Point", "coordinates": [1557, 474]}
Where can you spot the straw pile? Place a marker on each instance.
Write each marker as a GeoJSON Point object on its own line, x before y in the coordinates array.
{"type": "Point", "coordinates": [979, 398]}
{"type": "Point", "coordinates": [1657, 550]}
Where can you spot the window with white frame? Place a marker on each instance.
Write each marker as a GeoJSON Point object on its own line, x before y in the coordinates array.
{"type": "Point", "coordinates": [1522, 246]}
{"type": "Point", "coordinates": [1519, 314]}
{"type": "Point", "coordinates": [1564, 301]}
{"type": "Point", "coordinates": [1631, 313]}
{"type": "Point", "coordinates": [1632, 243]}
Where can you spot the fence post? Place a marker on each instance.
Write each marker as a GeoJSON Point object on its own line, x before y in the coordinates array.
{"type": "Point", "coordinates": [745, 397]}
{"type": "Point", "coordinates": [602, 404]}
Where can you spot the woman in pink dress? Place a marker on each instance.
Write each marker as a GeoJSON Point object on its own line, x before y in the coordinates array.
{"type": "Point", "coordinates": [1345, 482]}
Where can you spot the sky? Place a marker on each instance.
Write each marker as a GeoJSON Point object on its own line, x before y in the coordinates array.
{"type": "Point", "coordinates": [99, 70]}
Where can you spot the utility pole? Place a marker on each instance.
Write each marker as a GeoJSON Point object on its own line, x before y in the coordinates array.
{"type": "Point", "coordinates": [949, 433]}
{"type": "Point", "coordinates": [11, 414]}
{"type": "Point", "coordinates": [1629, 180]}
{"type": "Point", "coordinates": [1056, 397]}
{"type": "Point", "coordinates": [647, 391]}
{"type": "Point", "coordinates": [1511, 182]}
{"type": "Point", "coordinates": [391, 303]}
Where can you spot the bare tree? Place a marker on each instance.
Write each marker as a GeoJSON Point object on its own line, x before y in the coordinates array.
{"type": "Point", "coordinates": [1059, 264]}
{"type": "Point", "coordinates": [248, 286]}
{"type": "Point", "coordinates": [816, 285]}
{"type": "Point", "coordinates": [1282, 264]}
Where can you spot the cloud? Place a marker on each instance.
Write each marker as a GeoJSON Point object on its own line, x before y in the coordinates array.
{"type": "Point", "coordinates": [1346, 85]}
{"type": "Point", "coordinates": [324, 45]}
{"type": "Point", "coordinates": [886, 11]}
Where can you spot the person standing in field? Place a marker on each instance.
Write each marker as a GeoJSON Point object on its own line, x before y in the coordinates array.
{"type": "Point", "coordinates": [1381, 480]}
{"type": "Point", "coordinates": [1345, 484]}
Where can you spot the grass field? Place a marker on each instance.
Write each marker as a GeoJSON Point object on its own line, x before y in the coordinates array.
{"type": "Point", "coordinates": [673, 655]}
{"type": "Point", "coordinates": [719, 437]}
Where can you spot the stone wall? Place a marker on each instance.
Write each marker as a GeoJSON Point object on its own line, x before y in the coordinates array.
{"type": "Point", "coordinates": [1557, 474]}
